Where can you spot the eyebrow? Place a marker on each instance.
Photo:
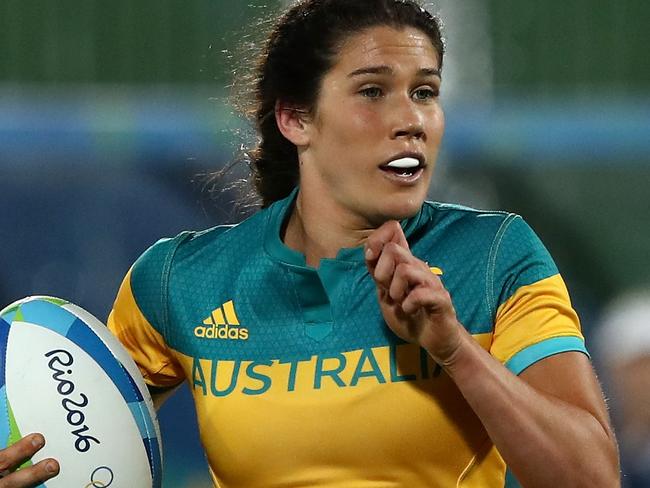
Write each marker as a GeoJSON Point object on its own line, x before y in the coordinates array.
{"type": "Point", "coordinates": [387, 70]}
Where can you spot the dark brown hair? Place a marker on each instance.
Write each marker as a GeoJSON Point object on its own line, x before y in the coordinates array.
{"type": "Point", "coordinates": [300, 49]}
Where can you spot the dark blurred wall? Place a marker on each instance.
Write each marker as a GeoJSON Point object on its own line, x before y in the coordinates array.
{"type": "Point", "coordinates": [122, 41]}
{"type": "Point", "coordinates": [546, 48]}
{"type": "Point", "coordinates": [577, 47]}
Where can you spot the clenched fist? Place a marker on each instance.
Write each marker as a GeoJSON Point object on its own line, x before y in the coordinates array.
{"type": "Point", "coordinates": [413, 300]}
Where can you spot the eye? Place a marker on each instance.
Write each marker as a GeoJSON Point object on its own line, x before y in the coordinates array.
{"type": "Point", "coordinates": [371, 92]}
{"type": "Point", "coordinates": [425, 93]}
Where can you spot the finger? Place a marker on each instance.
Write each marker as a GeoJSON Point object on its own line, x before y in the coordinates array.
{"type": "Point", "coordinates": [31, 476]}
{"type": "Point", "coordinates": [415, 286]}
{"type": "Point", "coordinates": [14, 455]}
{"type": "Point", "coordinates": [390, 231]}
{"type": "Point", "coordinates": [434, 300]}
{"type": "Point", "coordinates": [399, 285]}
{"type": "Point", "coordinates": [409, 275]}
{"type": "Point", "coordinates": [391, 256]}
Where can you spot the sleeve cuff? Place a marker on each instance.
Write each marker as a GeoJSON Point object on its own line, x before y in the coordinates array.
{"type": "Point", "coordinates": [544, 349]}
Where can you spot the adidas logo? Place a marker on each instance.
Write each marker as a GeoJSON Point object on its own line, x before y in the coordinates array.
{"type": "Point", "coordinates": [222, 324]}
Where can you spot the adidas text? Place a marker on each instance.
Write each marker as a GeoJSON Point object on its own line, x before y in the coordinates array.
{"type": "Point", "coordinates": [221, 332]}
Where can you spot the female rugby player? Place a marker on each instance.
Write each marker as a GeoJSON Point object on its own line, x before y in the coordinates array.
{"type": "Point", "coordinates": [350, 333]}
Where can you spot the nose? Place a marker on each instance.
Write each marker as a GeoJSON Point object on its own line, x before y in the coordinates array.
{"type": "Point", "coordinates": [408, 121]}
{"type": "Point", "coordinates": [410, 131]}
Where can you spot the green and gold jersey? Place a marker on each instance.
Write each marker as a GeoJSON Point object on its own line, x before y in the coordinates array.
{"type": "Point", "coordinates": [297, 380]}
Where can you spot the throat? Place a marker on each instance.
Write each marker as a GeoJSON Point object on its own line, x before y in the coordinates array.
{"type": "Point", "coordinates": [319, 237]}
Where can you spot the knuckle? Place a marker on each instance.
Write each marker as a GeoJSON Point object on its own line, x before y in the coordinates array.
{"type": "Point", "coordinates": [382, 279]}
{"type": "Point", "coordinates": [29, 476]}
{"type": "Point", "coordinates": [9, 481]}
{"type": "Point", "coordinates": [436, 282]}
{"type": "Point", "coordinates": [384, 260]}
{"type": "Point", "coordinates": [391, 247]}
{"type": "Point", "coordinates": [420, 296]}
{"type": "Point", "coordinates": [36, 473]}
{"type": "Point", "coordinates": [13, 455]}
{"type": "Point", "coordinates": [373, 240]}
{"type": "Point", "coordinates": [5, 460]}
{"type": "Point", "coordinates": [401, 268]}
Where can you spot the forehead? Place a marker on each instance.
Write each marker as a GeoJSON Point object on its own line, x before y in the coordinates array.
{"type": "Point", "coordinates": [383, 44]}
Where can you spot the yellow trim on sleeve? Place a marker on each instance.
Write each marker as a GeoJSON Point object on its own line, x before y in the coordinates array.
{"type": "Point", "coordinates": [156, 361]}
{"type": "Point", "coordinates": [533, 314]}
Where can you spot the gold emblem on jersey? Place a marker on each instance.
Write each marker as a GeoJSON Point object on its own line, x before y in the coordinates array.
{"type": "Point", "coordinates": [222, 324]}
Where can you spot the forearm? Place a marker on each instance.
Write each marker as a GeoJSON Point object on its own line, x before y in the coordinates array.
{"type": "Point", "coordinates": [544, 440]}
{"type": "Point", "coordinates": [550, 423]}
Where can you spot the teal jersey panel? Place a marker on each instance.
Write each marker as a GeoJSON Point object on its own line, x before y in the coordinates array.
{"type": "Point", "coordinates": [518, 258]}
{"type": "Point", "coordinates": [286, 308]}
{"type": "Point", "coordinates": [148, 280]}
{"type": "Point", "coordinates": [511, 481]}
{"type": "Point", "coordinates": [239, 293]}
{"type": "Point", "coordinates": [458, 241]}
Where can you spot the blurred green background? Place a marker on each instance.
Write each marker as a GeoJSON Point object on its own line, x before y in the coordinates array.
{"type": "Point", "coordinates": [110, 113]}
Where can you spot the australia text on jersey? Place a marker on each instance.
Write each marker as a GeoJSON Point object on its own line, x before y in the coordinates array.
{"type": "Point", "coordinates": [222, 323]}
{"type": "Point", "coordinates": [379, 365]}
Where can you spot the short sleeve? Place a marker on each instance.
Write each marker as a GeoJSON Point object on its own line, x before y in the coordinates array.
{"type": "Point", "coordinates": [534, 318]}
{"type": "Point", "coordinates": [138, 314]}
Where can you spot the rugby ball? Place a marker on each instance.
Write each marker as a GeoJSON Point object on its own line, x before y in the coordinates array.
{"type": "Point", "coordinates": [63, 374]}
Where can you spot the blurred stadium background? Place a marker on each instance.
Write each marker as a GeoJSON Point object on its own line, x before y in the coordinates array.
{"type": "Point", "coordinates": [111, 112]}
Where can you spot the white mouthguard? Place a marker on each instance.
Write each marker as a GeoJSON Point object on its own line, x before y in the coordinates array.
{"type": "Point", "coordinates": [404, 163]}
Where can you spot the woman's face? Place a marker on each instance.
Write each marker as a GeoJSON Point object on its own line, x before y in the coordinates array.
{"type": "Point", "coordinates": [378, 104]}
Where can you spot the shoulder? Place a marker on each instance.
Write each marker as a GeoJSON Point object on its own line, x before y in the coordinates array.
{"type": "Point", "coordinates": [510, 243]}
{"type": "Point", "coordinates": [172, 250]}
{"type": "Point", "coordinates": [445, 217]}
{"type": "Point", "coordinates": [191, 249]}
{"type": "Point", "coordinates": [159, 257]}
{"type": "Point", "coordinates": [501, 247]}
{"type": "Point", "coordinates": [463, 228]}
{"type": "Point", "coordinates": [499, 227]}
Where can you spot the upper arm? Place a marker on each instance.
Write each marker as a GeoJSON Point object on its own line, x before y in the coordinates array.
{"type": "Point", "coordinates": [139, 315]}
{"type": "Point", "coordinates": [570, 377]}
{"type": "Point", "coordinates": [534, 319]}
{"type": "Point", "coordinates": [142, 340]}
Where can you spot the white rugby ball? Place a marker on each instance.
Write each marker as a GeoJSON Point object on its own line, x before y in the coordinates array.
{"type": "Point", "coordinates": [63, 374]}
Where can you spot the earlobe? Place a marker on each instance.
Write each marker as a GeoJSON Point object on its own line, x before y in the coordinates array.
{"type": "Point", "coordinates": [292, 122]}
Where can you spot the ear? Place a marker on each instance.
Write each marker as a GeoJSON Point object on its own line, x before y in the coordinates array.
{"type": "Point", "coordinates": [293, 122]}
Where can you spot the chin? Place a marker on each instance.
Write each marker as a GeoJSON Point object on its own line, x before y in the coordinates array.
{"type": "Point", "coordinates": [398, 211]}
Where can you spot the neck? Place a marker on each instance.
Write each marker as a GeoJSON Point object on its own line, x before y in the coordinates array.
{"type": "Point", "coordinates": [319, 231]}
